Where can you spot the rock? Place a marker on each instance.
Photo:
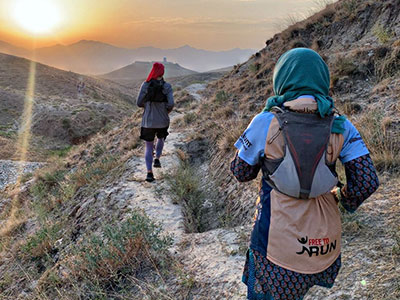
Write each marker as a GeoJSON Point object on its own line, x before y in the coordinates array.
{"type": "Point", "coordinates": [10, 170]}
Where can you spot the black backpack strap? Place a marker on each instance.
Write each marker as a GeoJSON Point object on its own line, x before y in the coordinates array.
{"type": "Point", "coordinates": [155, 91]}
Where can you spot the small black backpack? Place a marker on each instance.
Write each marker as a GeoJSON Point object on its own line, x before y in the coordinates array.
{"type": "Point", "coordinates": [155, 91]}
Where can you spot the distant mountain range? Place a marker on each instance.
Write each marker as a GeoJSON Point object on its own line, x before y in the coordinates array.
{"type": "Point", "coordinates": [92, 57]}
{"type": "Point", "coordinates": [13, 50]}
{"type": "Point", "coordinates": [139, 70]}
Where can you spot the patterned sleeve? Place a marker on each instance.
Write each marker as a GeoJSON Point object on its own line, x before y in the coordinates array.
{"type": "Point", "coordinates": [242, 170]}
{"type": "Point", "coordinates": [362, 181]}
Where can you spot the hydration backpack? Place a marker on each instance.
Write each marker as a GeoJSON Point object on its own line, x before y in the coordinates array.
{"type": "Point", "coordinates": [155, 91]}
{"type": "Point", "coordinates": [303, 172]}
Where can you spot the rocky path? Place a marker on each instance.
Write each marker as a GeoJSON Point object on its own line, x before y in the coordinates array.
{"type": "Point", "coordinates": [195, 89]}
{"type": "Point", "coordinates": [211, 257]}
{"type": "Point", "coordinates": [153, 197]}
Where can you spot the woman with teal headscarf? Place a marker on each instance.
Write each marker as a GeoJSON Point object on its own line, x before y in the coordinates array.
{"type": "Point", "coordinates": [299, 72]}
{"type": "Point", "coordinates": [295, 243]}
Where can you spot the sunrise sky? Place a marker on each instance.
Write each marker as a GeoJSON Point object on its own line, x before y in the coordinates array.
{"type": "Point", "coordinates": [206, 24]}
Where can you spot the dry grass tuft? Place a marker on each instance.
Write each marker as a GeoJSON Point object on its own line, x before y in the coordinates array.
{"type": "Point", "coordinates": [117, 261]}
{"type": "Point", "coordinates": [7, 148]}
{"type": "Point", "coordinates": [181, 155]}
{"type": "Point", "coordinates": [185, 187]}
{"type": "Point", "coordinates": [381, 140]}
{"type": "Point", "coordinates": [389, 66]}
{"type": "Point", "coordinates": [231, 133]}
{"type": "Point", "coordinates": [183, 100]}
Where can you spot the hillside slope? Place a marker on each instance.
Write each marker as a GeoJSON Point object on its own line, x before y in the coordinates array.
{"type": "Point", "coordinates": [63, 113]}
{"type": "Point", "coordinates": [12, 50]}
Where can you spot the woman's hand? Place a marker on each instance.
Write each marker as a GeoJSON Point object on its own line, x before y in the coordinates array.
{"type": "Point", "coordinates": [337, 194]}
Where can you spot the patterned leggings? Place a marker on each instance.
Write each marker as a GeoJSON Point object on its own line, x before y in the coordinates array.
{"type": "Point", "coordinates": [268, 281]}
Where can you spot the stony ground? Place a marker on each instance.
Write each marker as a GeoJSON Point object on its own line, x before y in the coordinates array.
{"type": "Point", "coordinates": [10, 170]}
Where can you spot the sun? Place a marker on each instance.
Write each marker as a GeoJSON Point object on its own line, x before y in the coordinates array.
{"type": "Point", "coordinates": [37, 16]}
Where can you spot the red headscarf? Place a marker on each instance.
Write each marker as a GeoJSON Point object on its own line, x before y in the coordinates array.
{"type": "Point", "coordinates": [156, 71]}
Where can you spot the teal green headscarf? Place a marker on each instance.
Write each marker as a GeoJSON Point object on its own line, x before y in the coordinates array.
{"type": "Point", "coordinates": [299, 72]}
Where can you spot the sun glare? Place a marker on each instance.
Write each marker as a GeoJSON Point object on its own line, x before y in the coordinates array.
{"type": "Point", "coordinates": [37, 16]}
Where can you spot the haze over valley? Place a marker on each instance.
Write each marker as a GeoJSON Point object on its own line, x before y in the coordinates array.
{"type": "Point", "coordinates": [92, 57]}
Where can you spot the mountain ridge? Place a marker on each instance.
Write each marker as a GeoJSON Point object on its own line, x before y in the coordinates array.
{"type": "Point", "coordinates": [96, 58]}
{"type": "Point", "coordinates": [139, 70]}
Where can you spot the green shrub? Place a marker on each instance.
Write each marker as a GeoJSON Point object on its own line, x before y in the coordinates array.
{"type": "Point", "coordinates": [61, 152]}
{"type": "Point", "coordinates": [48, 184]}
{"type": "Point", "coordinates": [50, 190]}
{"type": "Point", "coordinates": [350, 7]}
{"type": "Point", "coordinates": [7, 134]}
{"type": "Point", "coordinates": [221, 97]}
{"type": "Point", "coordinates": [56, 187]}
{"type": "Point", "coordinates": [254, 68]}
{"type": "Point", "coordinates": [382, 34]}
{"type": "Point", "coordinates": [98, 150]}
{"type": "Point", "coordinates": [26, 177]}
{"type": "Point", "coordinates": [189, 118]}
{"type": "Point", "coordinates": [66, 123]}
{"type": "Point", "coordinates": [42, 242]}
{"type": "Point", "coordinates": [121, 259]}
{"type": "Point", "coordinates": [94, 171]}
{"type": "Point", "coordinates": [121, 250]}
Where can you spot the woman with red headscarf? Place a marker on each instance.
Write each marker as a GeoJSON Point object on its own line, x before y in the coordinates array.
{"type": "Point", "coordinates": [156, 97]}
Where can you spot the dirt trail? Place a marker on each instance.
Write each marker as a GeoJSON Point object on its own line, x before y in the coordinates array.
{"type": "Point", "coordinates": [195, 89]}
{"type": "Point", "coordinates": [211, 257]}
{"type": "Point", "coordinates": [151, 197]}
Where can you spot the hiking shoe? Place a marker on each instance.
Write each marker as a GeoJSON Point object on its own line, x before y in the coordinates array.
{"type": "Point", "coordinates": [157, 163]}
{"type": "Point", "coordinates": [150, 177]}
